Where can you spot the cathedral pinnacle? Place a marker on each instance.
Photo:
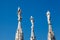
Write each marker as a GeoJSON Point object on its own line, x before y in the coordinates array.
{"type": "Point", "coordinates": [19, 14]}
{"type": "Point", "coordinates": [50, 32]}
{"type": "Point", "coordinates": [32, 29]}
{"type": "Point", "coordinates": [19, 35]}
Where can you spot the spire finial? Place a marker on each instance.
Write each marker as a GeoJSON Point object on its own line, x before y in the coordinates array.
{"type": "Point", "coordinates": [19, 35]}
{"type": "Point", "coordinates": [32, 29]}
{"type": "Point", "coordinates": [50, 32]}
{"type": "Point", "coordinates": [32, 20]}
{"type": "Point", "coordinates": [48, 17]}
{"type": "Point", "coordinates": [19, 14]}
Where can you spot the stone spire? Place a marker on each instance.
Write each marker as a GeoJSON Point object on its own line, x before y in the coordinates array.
{"type": "Point", "coordinates": [32, 29]}
{"type": "Point", "coordinates": [19, 35]}
{"type": "Point", "coordinates": [50, 32]}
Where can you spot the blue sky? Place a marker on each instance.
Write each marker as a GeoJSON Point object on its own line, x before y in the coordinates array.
{"type": "Point", "coordinates": [35, 8]}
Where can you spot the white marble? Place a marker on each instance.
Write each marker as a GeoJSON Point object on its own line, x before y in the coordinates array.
{"type": "Point", "coordinates": [50, 32]}
{"type": "Point", "coordinates": [32, 29]}
{"type": "Point", "coordinates": [19, 35]}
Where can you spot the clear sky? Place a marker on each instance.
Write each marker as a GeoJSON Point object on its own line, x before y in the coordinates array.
{"type": "Point", "coordinates": [35, 8]}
